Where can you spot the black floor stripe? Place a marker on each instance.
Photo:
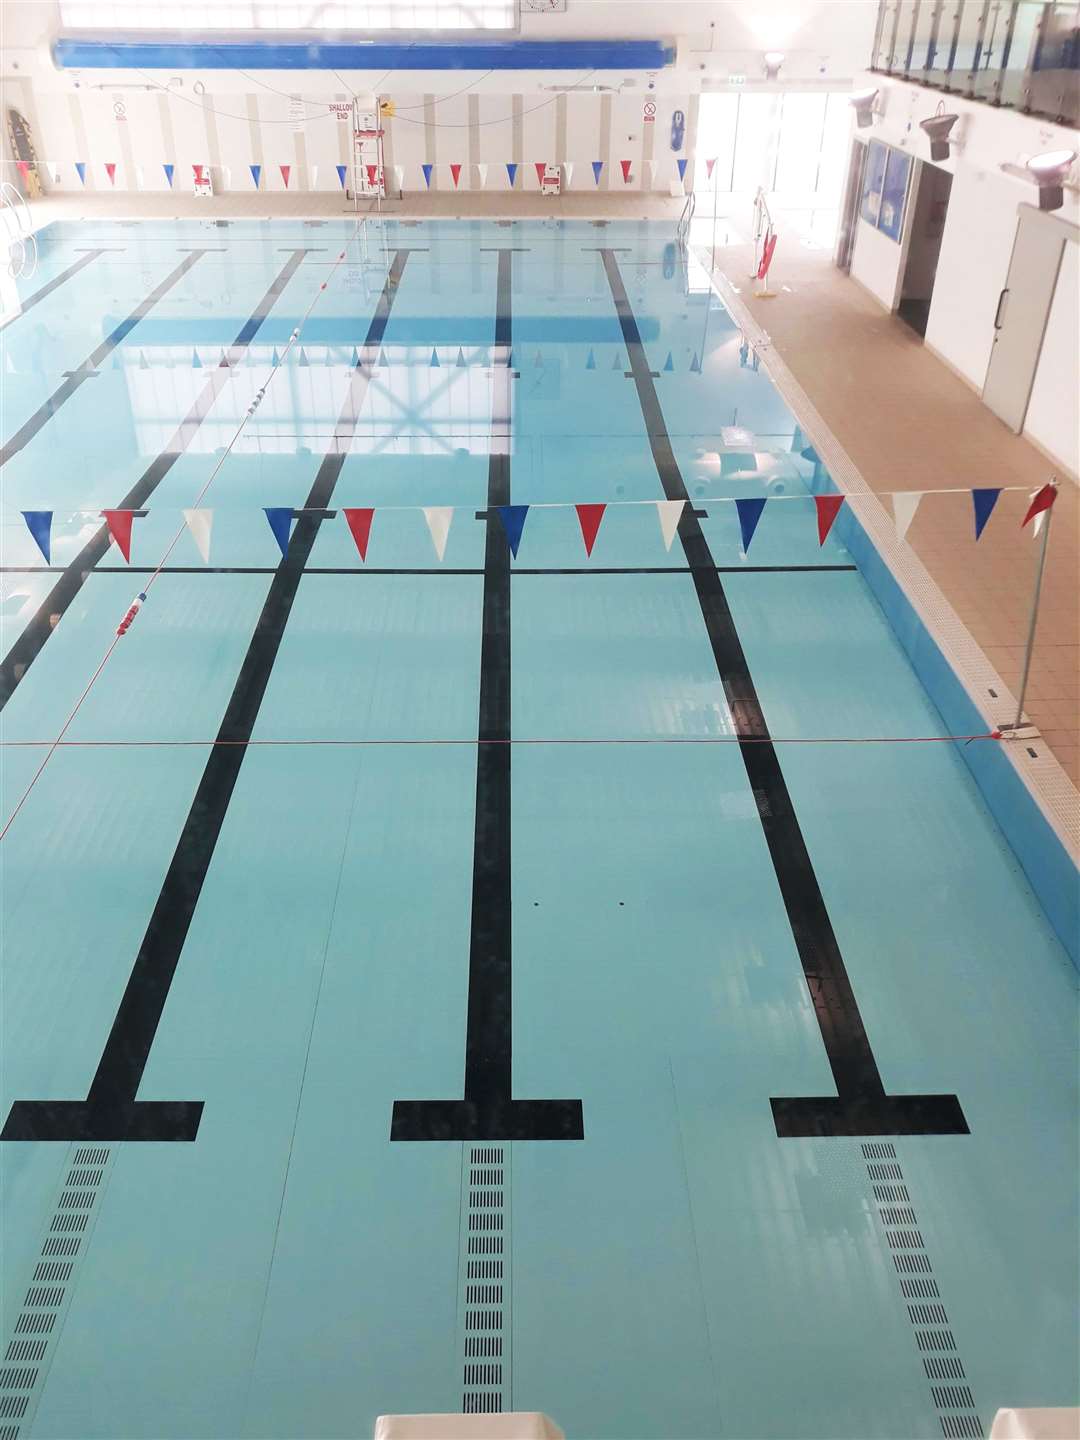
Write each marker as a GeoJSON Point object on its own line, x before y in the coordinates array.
{"type": "Point", "coordinates": [54, 284]}
{"type": "Point", "coordinates": [488, 1111]}
{"type": "Point", "coordinates": [89, 366]}
{"type": "Point", "coordinates": [428, 570]}
{"type": "Point", "coordinates": [861, 1106]}
{"type": "Point", "coordinates": [111, 1111]}
{"type": "Point", "coordinates": [28, 645]}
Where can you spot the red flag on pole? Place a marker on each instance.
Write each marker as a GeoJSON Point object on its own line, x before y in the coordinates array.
{"type": "Point", "coordinates": [589, 517]}
{"type": "Point", "coordinates": [828, 507]}
{"type": "Point", "coordinates": [625, 164]}
{"type": "Point", "coordinates": [455, 174]}
{"type": "Point", "coordinates": [119, 523]}
{"type": "Point", "coordinates": [285, 174]}
{"type": "Point", "coordinates": [1040, 501]}
{"type": "Point", "coordinates": [359, 523]}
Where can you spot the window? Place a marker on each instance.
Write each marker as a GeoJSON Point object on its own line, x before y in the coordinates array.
{"type": "Point", "coordinates": [328, 15]}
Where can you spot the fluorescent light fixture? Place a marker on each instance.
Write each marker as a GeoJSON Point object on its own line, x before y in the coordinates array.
{"type": "Point", "coordinates": [1048, 172]}
{"type": "Point", "coordinates": [937, 127]}
{"type": "Point", "coordinates": [863, 102]}
{"type": "Point", "coordinates": [773, 60]}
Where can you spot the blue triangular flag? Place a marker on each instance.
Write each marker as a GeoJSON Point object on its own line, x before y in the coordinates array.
{"type": "Point", "coordinates": [281, 518]}
{"type": "Point", "coordinates": [427, 169]}
{"type": "Point", "coordinates": [682, 169]}
{"type": "Point", "coordinates": [80, 170]}
{"type": "Point", "coordinates": [342, 171]}
{"type": "Point", "coordinates": [749, 515]}
{"type": "Point", "coordinates": [256, 171]}
{"type": "Point", "coordinates": [513, 519]}
{"type": "Point", "coordinates": [669, 363]}
{"type": "Point", "coordinates": [169, 173]}
{"type": "Point", "coordinates": [590, 363]}
{"type": "Point", "coordinates": [39, 523]}
{"type": "Point", "coordinates": [695, 364]}
{"type": "Point", "coordinates": [434, 361]}
{"type": "Point", "coordinates": [511, 174]}
{"type": "Point", "coordinates": [597, 166]}
{"type": "Point", "coordinates": [196, 363]}
{"type": "Point", "coordinates": [984, 502]}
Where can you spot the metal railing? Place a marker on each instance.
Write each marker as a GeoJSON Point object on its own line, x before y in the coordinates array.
{"type": "Point", "coordinates": [1024, 54]}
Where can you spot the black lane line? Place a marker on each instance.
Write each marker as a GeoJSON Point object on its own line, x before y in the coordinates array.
{"type": "Point", "coordinates": [488, 1111]}
{"type": "Point", "coordinates": [111, 1110]}
{"type": "Point", "coordinates": [57, 281]}
{"type": "Point", "coordinates": [26, 647]}
{"type": "Point", "coordinates": [89, 366]}
{"type": "Point", "coordinates": [860, 1106]}
{"type": "Point", "coordinates": [430, 570]}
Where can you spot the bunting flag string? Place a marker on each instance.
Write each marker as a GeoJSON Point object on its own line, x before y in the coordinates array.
{"type": "Point", "coordinates": [589, 518]}
{"type": "Point", "coordinates": [904, 504]}
{"type": "Point", "coordinates": [983, 501]}
{"type": "Point", "coordinates": [80, 170]}
{"type": "Point", "coordinates": [438, 519]}
{"type": "Point", "coordinates": [597, 167]}
{"type": "Point", "coordinates": [342, 171]}
{"type": "Point", "coordinates": [1040, 500]}
{"type": "Point", "coordinates": [568, 170]}
{"type": "Point", "coordinates": [285, 172]}
{"type": "Point", "coordinates": [749, 514]}
{"type": "Point", "coordinates": [39, 523]}
{"type": "Point", "coordinates": [200, 174]}
{"type": "Point", "coordinates": [455, 174]}
{"type": "Point", "coordinates": [541, 168]}
{"type": "Point", "coordinates": [511, 173]}
{"type": "Point", "coordinates": [709, 166]}
{"type": "Point", "coordinates": [481, 174]}
{"type": "Point", "coordinates": [169, 172]}
{"type": "Point", "coordinates": [681, 163]}
{"type": "Point", "coordinates": [54, 172]}
{"type": "Point", "coordinates": [828, 507]}
{"type": "Point", "coordinates": [199, 523]}
{"type": "Point", "coordinates": [119, 523]}
{"type": "Point", "coordinates": [359, 523]}
{"type": "Point", "coordinates": [625, 165]}
{"type": "Point", "coordinates": [670, 513]}
{"type": "Point", "coordinates": [281, 519]}
{"type": "Point", "coordinates": [399, 177]}
{"type": "Point", "coordinates": [427, 169]}
{"type": "Point", "coordinates": [513, 520]}
{"type": "Point", "coordinates": [256, 173]}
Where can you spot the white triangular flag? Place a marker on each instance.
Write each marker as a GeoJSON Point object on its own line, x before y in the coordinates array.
{"type": "Point", "coordinates": [670, 513]}
{"type": "Point", "coordinates": [54, 171]}
{"type": "Point", "coordinates": [399, 177]}
{"type": "Point", "coordinates": [568, 170]}
{"type": "Point", "coordinates": [199, 523]}
{"type": "Point", "coordinates": [481, 171]}
{"type": "Point", "coordinates": [904, 505]}
{"type": "Point", "coordinates": [438, 519]}
{"type": "Point", "coordinates": [313, 183]}
{"type": "Point", "coordinates": [140, 178]}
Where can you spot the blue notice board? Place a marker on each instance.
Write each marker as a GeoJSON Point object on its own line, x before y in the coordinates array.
{"type": "Point", "coordinates": [893, 195]}
{"type": "Point", "coordinates": [873, 180]}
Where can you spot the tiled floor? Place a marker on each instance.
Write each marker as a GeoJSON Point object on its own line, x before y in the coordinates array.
{"type": "Point", "coordinates": [909, 423]}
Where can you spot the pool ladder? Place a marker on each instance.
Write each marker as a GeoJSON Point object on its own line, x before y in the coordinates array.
{"type": "Point", "coordinates": [682, 230]}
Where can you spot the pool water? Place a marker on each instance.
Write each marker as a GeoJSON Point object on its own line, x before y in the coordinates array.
{"type": "Point", "coordinates": [440, 982]}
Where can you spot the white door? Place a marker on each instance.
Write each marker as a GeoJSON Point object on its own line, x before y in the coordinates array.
{"type": "Point", "coordinates": [1022, 311]}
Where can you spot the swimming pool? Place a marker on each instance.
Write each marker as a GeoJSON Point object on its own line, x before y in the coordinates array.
{"type": "Point", "coordinates": [441, 979]}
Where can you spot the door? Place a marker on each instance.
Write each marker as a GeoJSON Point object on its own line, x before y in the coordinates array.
{"type": "Point", "coordinates": [849, 207]}
{"type": "Point", "coordinates": [931, 206]}
{"type": "Point", "coordinates": [1022, 311]}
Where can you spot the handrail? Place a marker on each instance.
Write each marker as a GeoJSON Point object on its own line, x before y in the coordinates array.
{"type": "Point", "coordinates": [682, 230]}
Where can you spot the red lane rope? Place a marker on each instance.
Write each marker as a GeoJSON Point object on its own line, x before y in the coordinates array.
{"type": "Point", "coordinates": [616, 740]}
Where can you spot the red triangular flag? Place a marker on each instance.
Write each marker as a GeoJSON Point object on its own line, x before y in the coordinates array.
{"type": "Point", "coordinates": [372, 174]}
{"type": "Point", "coordinates": [541, 168]}
{"type": "Point", "coordinates": [23, 167]}
{"type": "Point", "coordinates": [199, 176]}
{"type": "Point", "coordinates": [119, 523]}
{"type": "Point", "coordinates": [709, 169]}
{"type": "Point", "coordinates": [589, 517]}
{"type": "Point", "coordinates": [625, 170]}
{"type": "Point", "coordinates": [1040, 501]}
{"type": "Point", "coordinates": [285, 174]}
{"type": "Point", "coordinates": [828, 507]}
{"type": "Point", "coordinates": [110, 170]}
{"type": "Point", "coordinates": [455, 174]}
{"type": "Point", "coordinates": [359, 522]}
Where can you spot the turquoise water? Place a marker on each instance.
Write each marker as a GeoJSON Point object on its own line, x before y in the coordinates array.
{"type": "Point", "coordinates": [681, 1270]}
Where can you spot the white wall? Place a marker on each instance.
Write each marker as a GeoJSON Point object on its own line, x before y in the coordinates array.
{"type": "Point", "coordinates": [1051, 418]}
{"type": "Point", "coordinates": [876, 262]}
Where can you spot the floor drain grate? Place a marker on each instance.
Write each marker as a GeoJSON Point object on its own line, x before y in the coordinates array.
{"type": "Point", "coordinates": [48, 1289]}
{"type": "Point", "coordinates": [484, 1283]}
{"type": "Point", "coordinates": [934, 1339]}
